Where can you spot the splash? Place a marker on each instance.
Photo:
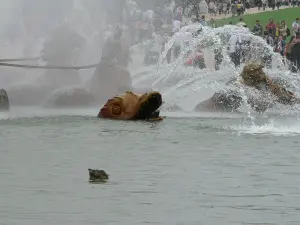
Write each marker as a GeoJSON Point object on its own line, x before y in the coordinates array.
{"type": "Point", "coordinates": [180, 85]}
{"type": "Point", "coordinates": [189, 86]}
{"type": "Point", "coordinates": [271, 127]}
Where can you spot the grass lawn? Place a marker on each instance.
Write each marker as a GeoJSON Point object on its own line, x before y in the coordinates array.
{"type": "Point", "coordinates": [289, 15]}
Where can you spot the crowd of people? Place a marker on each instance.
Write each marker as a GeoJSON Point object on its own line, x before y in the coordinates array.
{"type": "Point", "coordinates": [276, 3]}
{"type": "Point", "coordinates": [239, 7]}
{"type": "Point", "coordinates": [165, 22]}
{"type": "Point", "coordinates": [277, 34]}
{"type": "Point", "coordinates": [226, 7]}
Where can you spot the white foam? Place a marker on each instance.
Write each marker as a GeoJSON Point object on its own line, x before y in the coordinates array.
{"type": "Point", "coordinates": [270, 128]}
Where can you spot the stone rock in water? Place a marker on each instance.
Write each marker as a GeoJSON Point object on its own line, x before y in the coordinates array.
{"type": "Point", "coordinates": [98, 175]}
{"type": "Point", "coordinates": [4, 101]}
{"type": "Point", "coordinates": [69, 97]}
{"type": "Point", "coordinates": [28, 94]}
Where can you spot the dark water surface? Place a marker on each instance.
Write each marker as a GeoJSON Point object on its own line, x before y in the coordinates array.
{"type": "Point", "coordinates": [180, 171]}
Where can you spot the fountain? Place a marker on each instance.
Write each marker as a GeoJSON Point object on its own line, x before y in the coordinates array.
{"type": "Point", "coordinates": [187, 87]}
{"type": "Point", "coordinates": [181, 86]}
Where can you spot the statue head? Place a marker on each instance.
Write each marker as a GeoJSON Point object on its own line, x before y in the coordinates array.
{"type": "Point", "coordinates": [130, 106]}
{"type": "Point", "coordinates": [253, 75]}
{"type": "Point", "coordinates": [149, 105]}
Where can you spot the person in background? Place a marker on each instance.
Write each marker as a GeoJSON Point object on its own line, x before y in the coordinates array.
{"type": "Point", "coordinates": [225, 8]}
{"type": "Point", "coordinates": [179, 14]}
{"type": "Point", "coordinates": [197, 19]}
{"type": "Point", "coordinates": [272, 4]}
{"type": "Point", "coordinates": [283, 30]}
{"type": "Point", "coordinates": [296, 26]}
{"type": "Point", "coordinates": [220, 8]}
{"type": "Point", "coordinates": [268, 38]}
{"type": "Point", "coordinates": [239, 8]}
{"type": "Point", "coordinates": [280, 45]}
{"type": "Point", "coordinates": [259, 4]}
{"type": "Point", "coordinates": [176, 26]}
{"type": "Point", "coordinates": [149, 32]}
{"type": "Point", "coordinates": [258, 30]}
{"type": "Point", "coordinates": [241, 23]}
{"type": "Point", "coordinates": [157, 23]}
{"type": "Point", "coordinates": [141, 27]}
{"type": "Point", "coordinates": [212, 23]}
{"type": "Point", "coordinates": [233, 8]}
{"type": "Point", "coordinates": [271, 28]}
{"type": "Point", "coordinates": [264, 4]}
{"type": "Point", "coordinates": [181, 39]}
{"type": "Point", "coordinates": [202, 21]}
{"type": "Point", "coordinates": [277, 32]}
{"type": "Point", "coordinates": [287, 52]}
{"type": "Point", "coordinates": [211, 8]}
{"type": "Point", "coordinates": [278, 4]}
{"type": "Point", "coordinates": [228, 7]}
{"type": "Point", "coordinates": [247, 5]}
{"type": "Point", "coordinates": [295, 52]}
{"type": "Point", "coordinates": [148, 16]}
{"type": "Point", "coordinates": [235, 49]}
{"type": "Point", "coordinates": [267, 58]}
{"type": "Point", "coordinates": [169, 16]}
{"type": "Point", "coordinates": [218, 58]}
{"type": "Point", "coordinates": [245, 50]}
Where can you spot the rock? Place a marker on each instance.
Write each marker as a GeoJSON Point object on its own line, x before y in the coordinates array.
{"type": "Point", "coordinates": [28, 94]}
{"type": "Point", "coordinates": [221, 102]}
{"type": "Point", "coordinates": [98, 175]}
{"type": "Point", "coordinates": [173, 108]}
{"type": "Point", "coordinates": [4, 101]}
{"type": "Point", "coordinates": [69, 97]}
{"type": "Point", "coordinates": [259, 105]}
{"type": "Point", "coordinates": [109, 81]}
